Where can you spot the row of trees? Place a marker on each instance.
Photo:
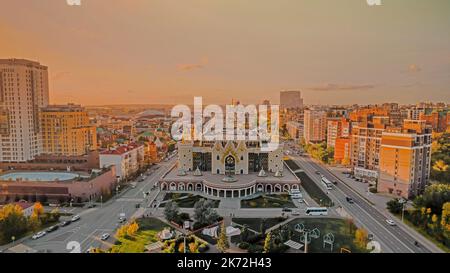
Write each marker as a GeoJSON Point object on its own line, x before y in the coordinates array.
{"type": "Point", "coordinates": [440, 158]}
{"type": "Point", "coordinates": [431, 212]}
{"type": "Point", "coordinates": [319, 151]}
{"type": "Point", "coordinates": [14, 224]}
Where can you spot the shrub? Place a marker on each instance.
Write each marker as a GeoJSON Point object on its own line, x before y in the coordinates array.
{"type": "Point", "coordinates": [244, 245]}
{"type": "Point", "coordinates": [255, 249]}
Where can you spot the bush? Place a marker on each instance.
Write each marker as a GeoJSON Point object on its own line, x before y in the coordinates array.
{"type": "Point", "coordinates": [244, 245]}
{"type": "Point", "coordinates": [184, 216]}
{"type": "Point", "coordinates": [255, 249]}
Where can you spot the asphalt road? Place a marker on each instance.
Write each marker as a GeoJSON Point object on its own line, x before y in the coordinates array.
{"type": "Point", "coordinates": [391, 238]}
{"type": "Point", "coordinates": [86, 233]}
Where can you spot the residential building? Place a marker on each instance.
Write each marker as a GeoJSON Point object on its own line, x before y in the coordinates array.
{"type": "Point", "coordinates": [66, 130]}
{"type": "Point", "coordinates": [127, 159]}
{"type": "Point", "coordinates": [315, 126]}
{"type": "Point", "coordinates": [337, 128]}
{"type": "Point", "coordinates": [294, 129]}
{"type": "Point", "coordinates": [342, 150]}
{"type": "Point", "coordinates": [24, 91]}
{"type": "Point", "coordinates": [365, 148]}
{"type": "Point", "coordinates": [405, 159]}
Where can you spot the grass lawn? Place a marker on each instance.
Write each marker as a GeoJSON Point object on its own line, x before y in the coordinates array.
{"type": "Point", "coordinates": [269, 201]}
{"type": "Point", "coordinates": [147, 234]}
{"type": "Point", "coordinates": [310, 186]}
{"type": "Point", "coordinates": [189, 200]}
{"type": "Point", "coordinates": [255, 223]}
{"type": "Point", "coordinates": [343, 234]}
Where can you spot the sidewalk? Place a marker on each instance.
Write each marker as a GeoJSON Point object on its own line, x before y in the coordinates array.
{"type": "Point", "coordinates": [378, 200]}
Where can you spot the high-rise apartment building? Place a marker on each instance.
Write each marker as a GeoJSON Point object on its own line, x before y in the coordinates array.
{"type": "Point", "coordinates": [66, 131]}
{"type": "Point", "coordinates": [337, 128]}
{"type": "Point", "coordinates": [365, 148]}
{"type": "Point", "coordinates": [405, 159]}
{"type": "Point", "coordinates": [291, 100]}
{"type": "Point", "coordinates": [315, 126]}
{"type": "Point", "coordinates": [23, 91]}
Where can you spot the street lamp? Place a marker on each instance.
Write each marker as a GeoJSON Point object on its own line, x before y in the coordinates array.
{"type": "Point", "coordinates": [403, 202]}
{"type": "Point", "coordinates": [101, 201]}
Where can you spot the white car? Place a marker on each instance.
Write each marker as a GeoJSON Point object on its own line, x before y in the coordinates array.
{"type": "Point", "coordinates": [391, 223]}
{"type": "Point", "coordinates": [105, 237]}
{"type": "Point", "coordinates": [38, 235]}
{"type": "Point", "coordinates": [76, 218]}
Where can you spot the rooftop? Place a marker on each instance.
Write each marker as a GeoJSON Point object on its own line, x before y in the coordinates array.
{"type": "Point", "coordinates": [121, 149]}
{"type": "Point", "coordinates": [241, 180]}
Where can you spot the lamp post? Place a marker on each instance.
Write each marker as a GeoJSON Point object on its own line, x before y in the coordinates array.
{"type": "Point", "coordinates": [101, 201]}
{"type": "Point", "coordinates": [403, 202]}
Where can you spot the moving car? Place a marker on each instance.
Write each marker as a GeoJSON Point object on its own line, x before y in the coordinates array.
{"type": "Point", "coordinates": [317, 172]}
{"type": "Point", "coordinates": [390, 222]}
{"type": "Point", "coordinates": [38, 235]}
{"type": "Point", "coordinates": [287, 210]}
{"type": "Point", "coordinates": [105, 237]}
{"type": "Point", "coordinates": [122, 220]}
{"type": "Point", "coordinates": [295, 213]}
{"type": "Point", "coordinates": [76, 218]}
{"type": "Point", "coordinates": [350, 200]}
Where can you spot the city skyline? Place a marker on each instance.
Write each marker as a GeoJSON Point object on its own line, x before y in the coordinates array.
{"type": "Point", "coordinates": [229, 49]}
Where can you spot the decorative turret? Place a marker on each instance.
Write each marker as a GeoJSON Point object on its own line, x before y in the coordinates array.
{"type": "Point", "coordinates": [198, 172]}
{"type": "Point", "coordinates": [278, 174]}
{"type": "Point", "coordinates": [262, 173]}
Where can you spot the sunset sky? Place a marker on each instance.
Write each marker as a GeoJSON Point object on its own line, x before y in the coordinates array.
{"type": "Point", "coordinates": [167, 51]}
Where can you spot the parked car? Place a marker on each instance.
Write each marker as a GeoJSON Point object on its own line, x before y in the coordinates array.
{"type": "Point", "coordinates": [370, 237]}
{"type": "Point", "coordinates": [38, 235]}
{"type": "Point", "coordinates": [64, 223]}
{"type": "Point", "coordinates": [391, 222]}
{"type": "Point", "coordinates": [90, 206]}
{"type": "Point", "coordinates": [75, 218]}
{"type": "Point", "coordinates": [105, 237]}
{"type": "Point", "coordinates": [317, 172]}
{"type": "Point", "coordinates": [52, 228]}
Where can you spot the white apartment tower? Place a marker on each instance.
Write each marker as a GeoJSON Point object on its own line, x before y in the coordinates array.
{"type": "Point", "coordinates": [23, 91]}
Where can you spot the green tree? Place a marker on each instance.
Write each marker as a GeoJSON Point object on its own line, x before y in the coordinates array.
{"type": "Point", "coordinates": [222, 243]}
{"type": "Point", "coordinates": [204, 213]}
{"type": "Point", "coordinates": [171, 211]}
{"type": "Point", "coordinates": [394, 206]}
{"type": "Point", "coordinates": [434, 197]}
